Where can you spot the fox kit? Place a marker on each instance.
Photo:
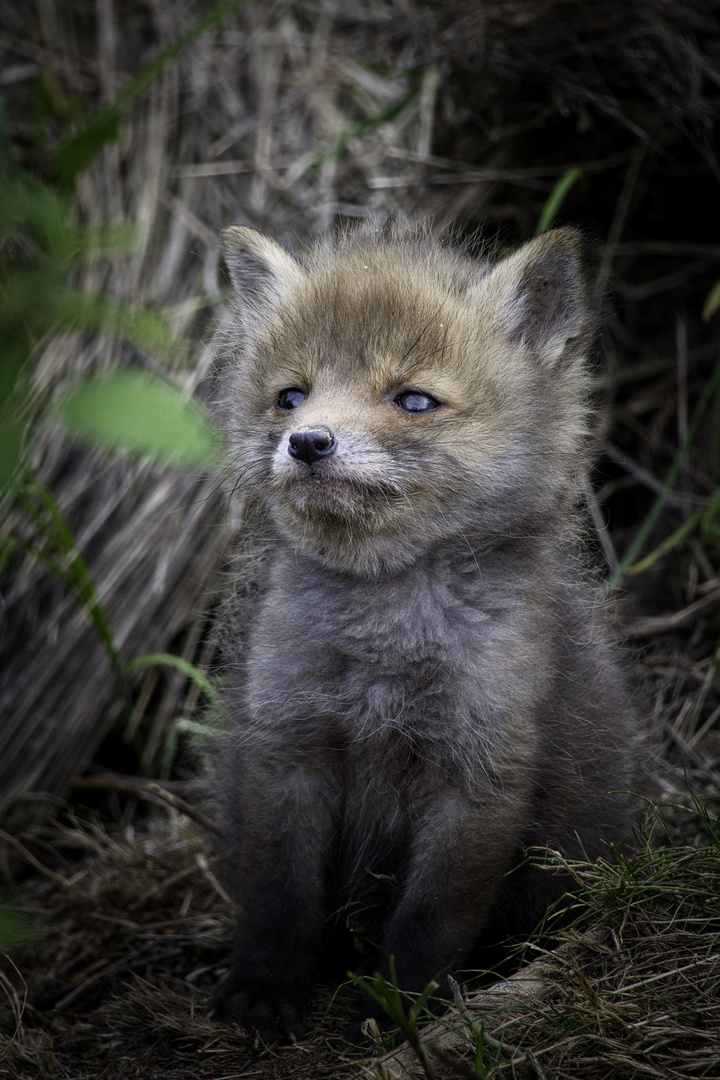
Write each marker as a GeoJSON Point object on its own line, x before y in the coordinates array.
{"type": "Point", "coordinates": [421, 686]}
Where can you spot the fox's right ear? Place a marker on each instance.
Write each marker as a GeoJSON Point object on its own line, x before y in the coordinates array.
{"type": "Point", "coordinates": [262, 272]}
{"type": "Point", "coordinates": [541, 297]}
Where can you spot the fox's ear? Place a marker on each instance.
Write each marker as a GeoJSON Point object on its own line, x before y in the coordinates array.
{"type": "Point", "coordinates": [262, 272]}
{"type": "Point", "coordinates": [539, 295]}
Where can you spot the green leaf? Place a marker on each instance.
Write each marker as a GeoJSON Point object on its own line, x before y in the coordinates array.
{"type": "Point", "coordinates": [703, 517]}
{"type": "Point", "coordinates": [71, 568]}
{"type": "Point", "coordinates": [180, 664]}
{"type": "Point", "coordinates": [10, 450]}
{"type": "Point", "coordinates": [79, 150]}
{"type": "Point", "coordinates": [147, 329]}
{"type": "Point", "coordinates": [28, 204]}
{"type": "Point", "coordinates": [15, 929]}
{"type": "Point", "coordinates": [557, 197]}
{"type": "Point", "coordinates": [643, 533]}
{"type": "Point", "coordinates": [143, 415]}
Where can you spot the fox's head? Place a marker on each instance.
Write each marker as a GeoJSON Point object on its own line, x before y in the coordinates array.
{"type": "Point", "coordinates": [389, 393]}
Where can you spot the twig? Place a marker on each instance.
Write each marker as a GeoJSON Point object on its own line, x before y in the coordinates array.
{"type": "Point", "coordinates": [149, 790]}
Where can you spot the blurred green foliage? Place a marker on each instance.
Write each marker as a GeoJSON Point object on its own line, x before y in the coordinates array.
{"type": "Point", "coordinates": [135, 410]}
{"type": "Point", "coordinates": [76, 151]}
{"type": "Point", "coordinates": [43, 252]}
{"type": "Point", "coordinates": [41, 249]}
{"type": "Point", "coordinates": [15, 929]}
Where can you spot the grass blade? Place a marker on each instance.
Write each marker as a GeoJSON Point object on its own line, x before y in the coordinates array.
{"type": "Point", "coordinates": [557, 197]}
{"type": "Point", "coordinates": [648, 524]}
{"type": "Point", "coordinates": [180, 664]}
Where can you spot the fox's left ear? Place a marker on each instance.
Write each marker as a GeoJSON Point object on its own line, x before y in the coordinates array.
{"type": "Point", "coordinates": [262, 272]}
{"type": "Point", "coordinates": [539, 296]}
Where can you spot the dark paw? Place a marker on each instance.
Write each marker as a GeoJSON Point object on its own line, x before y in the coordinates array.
{"type": "Point", "coordinates": [266, 1016]}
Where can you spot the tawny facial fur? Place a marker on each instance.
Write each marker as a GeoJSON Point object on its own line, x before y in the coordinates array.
{"type": "Point", "coordinates": [420, 682]}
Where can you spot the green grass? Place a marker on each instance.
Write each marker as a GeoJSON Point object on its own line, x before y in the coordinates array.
{"type": "Point", "coordinates": [632, 990]}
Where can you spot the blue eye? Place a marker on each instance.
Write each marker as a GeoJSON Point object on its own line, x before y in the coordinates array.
{"type": "Point", "coordinates": [414, 401]}
{"type": "Point", "coordinates": [290, 399]}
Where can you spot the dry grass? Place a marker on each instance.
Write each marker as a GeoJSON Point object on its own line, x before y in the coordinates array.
{"type": "Point", "coordinates": [297, 117]}
{"type": "Point", "coordinates": [631, 991]}
{"type": "Point", "coordinates": [130, 933]}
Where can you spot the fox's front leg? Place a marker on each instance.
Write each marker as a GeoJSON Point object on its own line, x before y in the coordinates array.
{"type": "Point", "coordinates": [459, 858]}
{"type": "Point", "coordinates": [280, 831]}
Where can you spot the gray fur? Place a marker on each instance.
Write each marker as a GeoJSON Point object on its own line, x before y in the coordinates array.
{"type": "Point", "coordinates": [421, 682]}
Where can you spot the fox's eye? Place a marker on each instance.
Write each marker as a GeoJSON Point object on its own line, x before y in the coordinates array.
{"type": "Point", "coordinates": [291, 398]}
{"type": "Point", "coordinates": [415, 401]}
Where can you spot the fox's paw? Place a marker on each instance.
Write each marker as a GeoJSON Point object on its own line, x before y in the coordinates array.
{"type": "Point", "coordinates": [264, 1014]}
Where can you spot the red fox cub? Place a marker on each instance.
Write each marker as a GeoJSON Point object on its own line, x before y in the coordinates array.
{"type": "Point", "coordinates": [420, 683]}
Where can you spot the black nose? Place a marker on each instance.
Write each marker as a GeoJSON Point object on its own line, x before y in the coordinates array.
{"type": "Point", "coordinates": [309, 444]}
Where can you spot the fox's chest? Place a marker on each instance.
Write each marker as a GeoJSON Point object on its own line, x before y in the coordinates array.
{"type": "Point", "coordinates": [362, 648]}
{"type": "Point", "coordinates": [435, 666]}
